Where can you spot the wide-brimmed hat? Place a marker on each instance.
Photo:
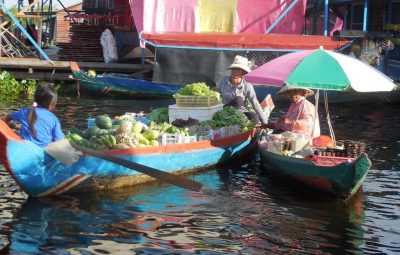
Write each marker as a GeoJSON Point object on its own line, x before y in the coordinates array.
{"type": "Point", "coordinates": [286, 89]}
{"type": "Point", "coordinates": [242, 63]}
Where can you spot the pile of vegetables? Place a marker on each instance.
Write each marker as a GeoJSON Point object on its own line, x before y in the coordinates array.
{"type": "Point", "coordinates": [229, 116]}
{"type": "Point", "coordinates": [159, 115]}
{"type": "Point", "coordinates": [197, 89]}
{"type": "Point", "coordinates": [123, 132]}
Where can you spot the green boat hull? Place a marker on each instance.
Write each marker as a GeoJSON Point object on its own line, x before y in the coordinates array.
{"type": "Point", "coordinates": [342, 180]}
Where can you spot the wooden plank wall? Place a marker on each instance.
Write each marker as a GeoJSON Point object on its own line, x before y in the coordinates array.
{"type": "Point", "coordinates": [63, 27]}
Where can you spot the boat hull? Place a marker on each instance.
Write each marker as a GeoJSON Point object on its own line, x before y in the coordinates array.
{"type": "Point", "coordinates": [341, 180]}
{"type": "Point", "coordinates": [112, 85]}
{"type": "Point", "coordinates": [39, 174]}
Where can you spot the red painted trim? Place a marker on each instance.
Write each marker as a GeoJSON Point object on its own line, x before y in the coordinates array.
{"type": "Point", "coordinates": [7, 132]}
{"type": "Point", "coordinates": [74, 66]}
{"type": "Point", "coordinates": [176, 148]}
{"type": "Point", "coordinates": [247, 41]}
{"type": "Point", "coordinates": [65, 185]}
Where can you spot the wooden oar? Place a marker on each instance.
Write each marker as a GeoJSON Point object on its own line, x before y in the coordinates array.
{"type": "Point", "coordinates": [174, 179]}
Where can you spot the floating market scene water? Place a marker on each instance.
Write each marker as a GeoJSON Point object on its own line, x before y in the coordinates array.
{"type": "Point", "coordinates": [241, 210]}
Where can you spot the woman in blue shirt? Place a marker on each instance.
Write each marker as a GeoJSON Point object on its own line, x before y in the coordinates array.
{"type": "Point", "coordinates": [38, 123]}
{"type": "Point", "coordinates": [235, 90]}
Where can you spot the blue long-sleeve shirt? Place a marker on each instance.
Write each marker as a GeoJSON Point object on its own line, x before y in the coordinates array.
{"type": "Point", "coordinates": [47, 126]}
{"type": "Point", "coordinates": [244, 90]}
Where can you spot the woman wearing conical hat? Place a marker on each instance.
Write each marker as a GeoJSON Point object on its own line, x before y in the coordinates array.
{"type": "Point", "coordinates": [300, 118]}
{"type": "Point", "coordinates": [235, 90]}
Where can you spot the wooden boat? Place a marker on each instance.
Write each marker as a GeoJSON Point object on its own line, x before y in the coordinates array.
{"type": "Point", "coordinates": [338, 176]}
{"type": "Point", "coordinates": [122, 85]}
{"type": "Point", "coordinates": [39, 174]}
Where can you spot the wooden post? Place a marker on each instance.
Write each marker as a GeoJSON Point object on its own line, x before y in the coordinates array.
{"type": "Point", "coordinates": [39, 26]}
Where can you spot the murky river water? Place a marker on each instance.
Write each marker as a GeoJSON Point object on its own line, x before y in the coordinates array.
{"type": "Point", "coordinates": [243, 211]}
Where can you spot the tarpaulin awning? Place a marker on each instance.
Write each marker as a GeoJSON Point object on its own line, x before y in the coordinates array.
{"type": "Point", "coordinates": [236, 16]}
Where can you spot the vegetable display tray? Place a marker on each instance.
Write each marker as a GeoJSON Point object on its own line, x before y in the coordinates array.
{"type": "Point", "coordinates": [196, 101]}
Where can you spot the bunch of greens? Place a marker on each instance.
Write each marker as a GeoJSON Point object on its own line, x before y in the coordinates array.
{"type": "Point", "coordinates": [159, 115]}
{"type": "Point", "coordinates": [197, 89]}
{"type": "Point", "coordinates": [227, 117]}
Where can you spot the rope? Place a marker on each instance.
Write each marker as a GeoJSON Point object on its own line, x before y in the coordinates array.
{"type": "Point", "coordinates": [328, 119]}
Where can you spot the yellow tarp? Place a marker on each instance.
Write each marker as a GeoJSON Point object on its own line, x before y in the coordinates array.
{"type": "Point", "coordinates": [216, 16]}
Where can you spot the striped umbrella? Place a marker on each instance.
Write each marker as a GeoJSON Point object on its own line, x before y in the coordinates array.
{"type": "Point", "coordinates": [321, 69]}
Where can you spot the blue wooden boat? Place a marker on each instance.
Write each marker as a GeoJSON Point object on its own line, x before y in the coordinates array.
{"type": "Point", "coordinates": [338, 176]}
{"type": "Point", "coordinates": [122, 85]}
{"type": "Point", "coordinates": [39, 174]}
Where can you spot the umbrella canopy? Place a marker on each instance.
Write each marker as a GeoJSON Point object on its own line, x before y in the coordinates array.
{"type": "Point", "coordinates": [321, 69]}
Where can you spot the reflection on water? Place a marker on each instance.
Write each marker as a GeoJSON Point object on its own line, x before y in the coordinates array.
{"type": "Point", "coordinates": [242, 210]}
{"type": "Point", "coordinates": [240, 218]}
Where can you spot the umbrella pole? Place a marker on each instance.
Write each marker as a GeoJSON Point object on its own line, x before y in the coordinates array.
{"type": "Point", "coordinates": [315, 113]}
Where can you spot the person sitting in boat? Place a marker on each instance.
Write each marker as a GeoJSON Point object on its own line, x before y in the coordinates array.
{"type": "Point", "coordinates": [300, 118]}
{"type": "Point", "coordinates": [235, 90]}
{"type": "Point", "coordinates": [38, 123]}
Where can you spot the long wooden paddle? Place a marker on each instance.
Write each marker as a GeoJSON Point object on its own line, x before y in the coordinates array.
{"type": "Point", "coordinates": [174, 179]}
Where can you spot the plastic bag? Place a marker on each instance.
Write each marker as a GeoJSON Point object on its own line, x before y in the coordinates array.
{"type": "Point", "coordinates": [107, 41]}
{"type": "Point", "coordinates": [64, 152]}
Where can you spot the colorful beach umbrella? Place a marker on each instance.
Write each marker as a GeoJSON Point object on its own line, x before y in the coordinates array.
{"type": "Point", "coordinates": [321, 69]}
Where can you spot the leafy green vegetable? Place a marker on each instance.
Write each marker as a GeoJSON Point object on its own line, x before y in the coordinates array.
{"type": "Point", "coordinates": [197, 89]}
{"type": "Point", "coordinates": [159, 115]}
{"type": "Point", "coordinates": [227, 117]}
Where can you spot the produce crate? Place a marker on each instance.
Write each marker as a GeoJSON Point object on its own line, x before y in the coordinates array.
{"type": "Point", "coordinates": [231, 130]}
{"type": "Point", "coordinates": [196, 101]}
{"type": "Point", "coordinates": [217, 133]}
{"type": "Point", "coordinates": [198, 113]}
{"type": "Point", "coordinates": [329, 161]}
{"type": "Point", "coordinates": [167, 138]}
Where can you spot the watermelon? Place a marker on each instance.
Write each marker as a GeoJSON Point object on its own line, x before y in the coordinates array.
{"type": "Point", "coordinates": [89, 132]}
{"type": "Point", "coordinates": [103, 121]}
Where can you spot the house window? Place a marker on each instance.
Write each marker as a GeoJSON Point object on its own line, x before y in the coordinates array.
{"type": "Point", "coordinates": [357, 17]}
{"type": "Point", "coordinates": [98, 6]}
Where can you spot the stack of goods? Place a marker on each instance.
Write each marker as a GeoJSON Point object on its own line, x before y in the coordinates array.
{"type": "Point", "coordinates": [331, 152]}
{"type": "Point", "coordinates": [286, 143]}
{"type": "Point", "coordinates": [197, 94]}
{"type": "Point", "coordinates": [82, 43]}
{"type": "Point", "coordinates": [351, 149]}
{"type": "Point", "coordinates": [225, 122]}
{"type": "Point", "coordinates": [124, 132]}
{"type": "Point", "coordinates": [195, 100]}
{"type": "Point", "coordinates": [354, 148]}
{"type": "Point", "coordinates": [120, 133]}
